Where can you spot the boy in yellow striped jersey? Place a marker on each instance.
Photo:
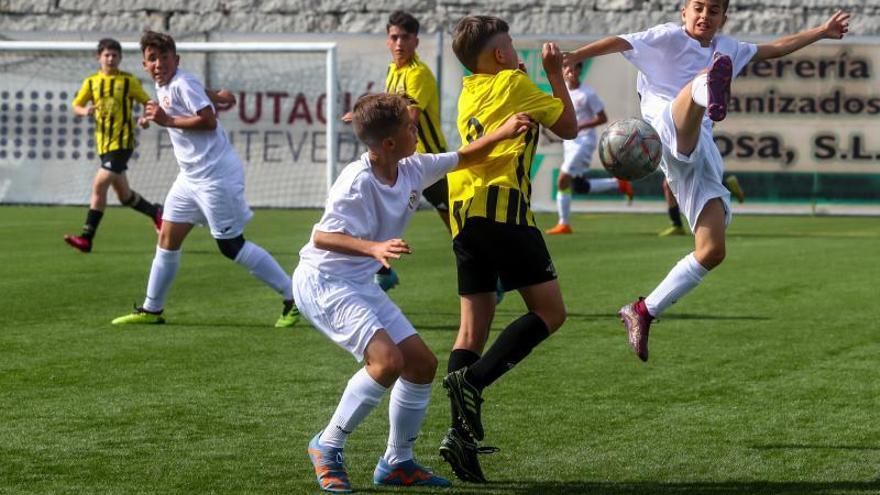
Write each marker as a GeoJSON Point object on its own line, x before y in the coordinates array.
{"type": "Point", "coordinates": [108, 95]}
{"type": "Point", "coordinates": [493, 228]}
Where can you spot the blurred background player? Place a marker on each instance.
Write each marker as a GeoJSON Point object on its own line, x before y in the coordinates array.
{"type": "Point", "coordinates": [677, 228]}
{"type": "Point", "coordinates": [368, 208]}
{"type": "Point", "coordinates": [209, 188]}
{"type": "Point", "coordinates": [494, 231]}
{"type": "Point", "coordinates": [578, 152]}
{"type": "Point", "coordinates": [109, 95]}
{"type": "Point", "coordinates": [685, 72]}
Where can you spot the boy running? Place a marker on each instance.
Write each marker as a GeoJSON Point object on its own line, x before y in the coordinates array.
{"type": "Point", "coordinates": [494, 231]}
{"type": "Point", "coordinates": [209, 188]}
{"type": "Point", "coordinates": [684, 85]}
{"type": "Point", "coordinates": [578, 152]}
{"type": "Point", "coordinates": [109, 95]}
{"type": "Point", "coordinates": [367, 211]}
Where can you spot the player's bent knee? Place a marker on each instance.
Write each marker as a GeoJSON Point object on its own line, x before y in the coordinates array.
{"type": "Point", "coordinates": [712, 256]}
{"type": "Point", "coordinates": [423, 369]}
{"type": "Point", "coordinates": [231, 247]}
{"type": "Point", "coordinates": [553, 319]}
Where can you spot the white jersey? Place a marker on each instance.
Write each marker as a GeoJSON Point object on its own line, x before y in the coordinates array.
{"type": "Point", "coordinates": [668, 59]}
{"type": "Point", "coordinates": [361, 206]}
{"type": "Point", "coordinates": [200, 154]}
{"type": "Point", "coordinates": [587, 106]}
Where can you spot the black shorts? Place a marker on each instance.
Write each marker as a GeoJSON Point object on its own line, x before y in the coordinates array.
{"type": "Point", "coordinates": [438, 194]}
{"type": "Point", "coordinates": [116, 160]}
{"type": "Point", "coordinates": [486, 250]}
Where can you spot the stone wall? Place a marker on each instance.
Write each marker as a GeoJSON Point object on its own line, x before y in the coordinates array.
{"type": "Point", "coordinates": [595, 17]}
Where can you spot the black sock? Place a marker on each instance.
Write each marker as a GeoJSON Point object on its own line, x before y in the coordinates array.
{"type": "Point", "coordinates": [675, 216]}
{"type": "Point", "coordinates": [384, 271]}
{"type": "Point", "coordinates": [137, 202]}
{"type": "Point", "coordinates": [93, 218]}
{"type": "Point", "coordinates": [512, 346]}
{"type": "Point", "coordinates": [458, 359]}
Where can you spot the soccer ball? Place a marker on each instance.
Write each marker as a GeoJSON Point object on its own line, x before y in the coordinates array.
{"type": "Point", "coordinates": [630, 149]}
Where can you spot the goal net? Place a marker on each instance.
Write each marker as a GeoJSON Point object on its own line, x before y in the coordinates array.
{"type": "Point", "coordinates": [283, 126]}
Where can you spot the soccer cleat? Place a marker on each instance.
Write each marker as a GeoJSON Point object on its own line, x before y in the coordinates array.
{"type": "Point", "coordinates": [637, 321]}
{"type": "Point", "coordinates": [718, 82]}
{"type": "Point", "coordinates": [289, 315]}
{"type": "Point", "coordinates": [78, 242]}
{"type": "Point", "coordinates": [626, 188]}
{"type": "Point", "coordinates": [140, 316]}
{"type": "Point", "coordinates": [387, 281]}
{"type": "Point", "coordinates": [329, 466]}
{"type": "Point", "coordinates": [732, 184]}
{"type": "Point", "coordinates": [406, 473]}
{"type": "Point", "coordinates": [466, 401]}
{"type": "Point", "coordinates": [559, 228]}
{"type": "Point", "coordinates": [673, 230]}
{"type": "Point", "coordinates": [461, 454]}
{"type": "Point", "coordinates": [157, 219]}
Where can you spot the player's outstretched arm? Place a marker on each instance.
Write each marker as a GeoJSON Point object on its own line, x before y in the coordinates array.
{"type": "Point", "coordinates": [604, 46]}
{"type": "Point", "coordinates": [480, 149]}
{"type": "Point", "coordinates": [204, 120]}
{"type": "Point", "coordinates": [834, 28]}
{"type": "Point", "coordinates": [346, 244]}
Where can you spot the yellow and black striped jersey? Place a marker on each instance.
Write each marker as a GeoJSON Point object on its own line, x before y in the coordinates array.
{"type": "Point", "coordinates": [113, 96]}
{"type": "Point", "coordinates": [417, 81]}
{"type": "Point", "coordinates": [500, 188]}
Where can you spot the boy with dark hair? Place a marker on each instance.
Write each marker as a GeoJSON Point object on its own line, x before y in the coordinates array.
{"type": "Point", "coordinates": [109, 95]}
{"type": "Point", "coordinates": [367, 211]}
{"type": "Point", "coordinates": [209, 188]}
{"type": "Point", "coordinates": [408, 75]}
{"type": "Point", "coordinates": [494, 231]}
{"type": "Point", "coordinates": [685, 71]}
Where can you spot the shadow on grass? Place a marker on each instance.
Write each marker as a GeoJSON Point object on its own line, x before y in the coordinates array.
{"type": "Point", "coordinates": [797, 446]}
{"type": "Point", "coordinates": [639, 488]}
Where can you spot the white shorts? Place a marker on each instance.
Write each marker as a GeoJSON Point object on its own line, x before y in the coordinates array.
{"type": "Point", "coordinates": [694, 179]}
{"type": "Point", "coordinates": [348, 313]}
{"type": "Point", "coordinates": [219, 203]}
{"type": "Point", "coordinates": [577, 155]}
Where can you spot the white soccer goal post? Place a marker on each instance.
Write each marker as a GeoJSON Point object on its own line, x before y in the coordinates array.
{"type": "Point", "coordinates": [285, 124]}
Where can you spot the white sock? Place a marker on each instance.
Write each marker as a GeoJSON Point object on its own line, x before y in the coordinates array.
{"type": "Point", "coordinates": [406, 413]}
{"type": "Point", "coordinates": [700, 91]}
{"type": "Point", "coordinates": [602, 185]}
{"type": "Point", "coordinates": [361, 396]}
{"type": "Point", "coordinates": [563, 205]}
{"type": "Point", "coordinates": [262, 265]}
{"type": "Point", "coordinates": [162, 274]}
{"type": "Point", "coordinates": [684, 276]}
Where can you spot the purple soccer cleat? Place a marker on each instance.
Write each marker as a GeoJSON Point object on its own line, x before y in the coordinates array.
{"type": "Point", "coordinates": [718, 81]}
{"type": "Point", "coordinates": [637, 321]}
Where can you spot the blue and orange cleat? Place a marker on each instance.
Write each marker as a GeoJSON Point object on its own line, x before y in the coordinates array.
{"type": "Point", "coordinates": [329, 466]}
{"type": "Point", "coordinates": [406, 473]}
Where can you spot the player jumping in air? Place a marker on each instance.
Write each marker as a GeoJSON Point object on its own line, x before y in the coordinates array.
{"type": "Point", "coordinates": [685, 71]}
